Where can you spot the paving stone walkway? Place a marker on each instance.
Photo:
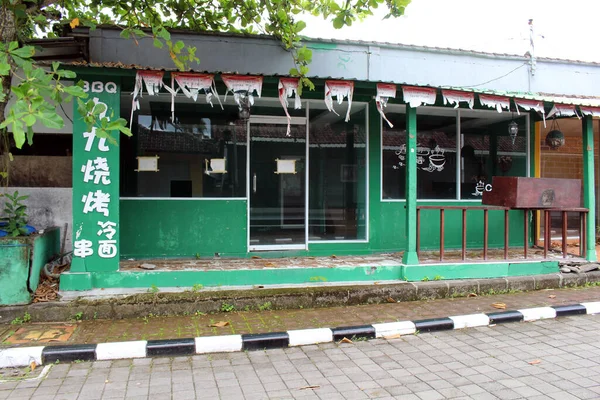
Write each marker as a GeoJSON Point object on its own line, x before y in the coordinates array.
{"type": "Point", "coordinates": [151, 327]}
{"type": "Point", "coordinates": [547, 359]}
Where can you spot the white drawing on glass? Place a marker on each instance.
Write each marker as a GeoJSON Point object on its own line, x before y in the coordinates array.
{"type": "Point", "coordinates": [96, 170]}
{"type": "Point", "coordinates": [427, 159]}
{"type": "Point", "coordinates": [83, 248]}
{"type": "Point", "coordinates": [96, 201]}
{"type": "Point", "coordinates": [107, 248]}
{"type": "Point", "coordinates": [99, 87]}
{"type": "Point", "coordinates": [107, 228]}
{"type": "Point", "coordinates": [480, 187]}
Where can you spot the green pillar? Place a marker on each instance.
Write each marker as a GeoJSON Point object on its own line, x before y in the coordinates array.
{"type": "Point", "coordinates": [589, 186]}
{"type": "Point", "coordinates": [410, 255]}
{"type": "Point", "coordinates": [96, 183]}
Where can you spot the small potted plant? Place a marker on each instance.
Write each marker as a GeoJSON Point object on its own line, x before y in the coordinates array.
{"type": "Point", "coordinates": [23, 252]}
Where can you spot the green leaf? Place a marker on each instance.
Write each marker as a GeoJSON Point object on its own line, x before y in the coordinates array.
{"type": "Point", "coordinates": [24, 52]}
{"type": "Point", "coordinates": [158, 43]}
{"type": "Point", "coordinates": [29, 136]}
{"type": "Point", "coordinates": [300, 25]}
{"type": "Point", "coordinates": [18, 134]}
{"type": "Point", "coordinates": [51, 119]}
{"type": "Point", "coordinates": [29, 120]}
{"type": "Point", "coordinates": [338, 22]}
{"type": "Point", "coordinates": [75, 91]}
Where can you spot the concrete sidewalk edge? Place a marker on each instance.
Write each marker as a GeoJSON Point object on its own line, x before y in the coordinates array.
{"type": "Point", "coordinates": [24, 356]}
{"type": "Point", "coordinates": [183, 303]}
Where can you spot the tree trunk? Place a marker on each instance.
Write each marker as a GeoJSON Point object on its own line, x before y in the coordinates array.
{"type": "Point", "coordinates": [8, 33]}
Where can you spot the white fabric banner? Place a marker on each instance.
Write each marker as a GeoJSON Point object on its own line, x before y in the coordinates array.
{"type": "Point", "coordinates": [416, 96]}
{"type": "Point", "coordinates": [534, 105]}
{"type": "Point", "coordinates": [288, 87]}
{"type": "Point", "coordinates": [385, 91]}
{"type": "Point", "coordinates": [339, 89]}
{"type": "Point", "coordinates": [593, 111]}
{"type": "Point", "coordinates": [455, 97]}
{"type": "Point", "coordinates": [498, 102]}
{"type": "Point", "coordinates": [243, 83]}
{"type": "Point", "coordinates": [563, 110]}
{"type": "Point", "coordinates": [190, 85]}
{"type": "Point", "coordinates": [152, 80]}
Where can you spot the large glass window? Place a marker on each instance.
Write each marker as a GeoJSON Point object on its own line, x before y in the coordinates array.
{"type": "Point", "coordinates": [201, 153]}
{"type": "Point", "coordinates": [337, 173]}
{"type": "Point", "coordinates": [484, 145]}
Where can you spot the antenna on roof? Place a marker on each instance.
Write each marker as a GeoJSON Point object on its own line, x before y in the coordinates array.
{"type": "Point", "coordinates": [531, 48]}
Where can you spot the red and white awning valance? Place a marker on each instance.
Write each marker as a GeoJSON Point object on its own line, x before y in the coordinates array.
{"type": "Point", "coordinates": [339, 89]}
{"type": "Point", "coordinates": [498, 102]}
{"type": "Point", "coordinates": [455, 97]}
{"type": "Point", "coordinates": [416, 96]}
{"type": "Point", "coordinates": [287, 88]}
{"type": "Point", "coordinates": [385, 91]}
{"type": "Point", "coordinates": [529, 105]}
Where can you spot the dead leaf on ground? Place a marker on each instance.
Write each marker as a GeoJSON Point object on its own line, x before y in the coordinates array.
{"type": "Point", "coordinates": [390, 300]}
{"type": "Point", "coordinates": [256, 257]}
{"type": "Point", "coordinates": [269, 264]}
{"type": "Point", "coordinates": [33, 365]}
{"type": "Point", "coordinates": [552, 296]}
{"type": "Point", "coordinates": [500, 306]}
{"type": "Point", "coordinates": [534, 362]}
{"type": "Point", "coordinates": [346, 340]}
{"type": "Point", "coordinates": [333, 256]}
{"type": "Point", "coordinates": [219, 324]}
{"type": "Point", "coordinates": [472, 295]}
{"type": "Point", "coordinates": [310, 387]}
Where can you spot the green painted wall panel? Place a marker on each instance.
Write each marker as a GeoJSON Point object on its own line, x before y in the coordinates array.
{"type": "Point", "coordinates": [45, 247]}
{"type": "Point", "coordinates": [183, 228]}
{"type": "Point", "coordinates": [455, 271]}
{"type": "Point", "coordinates": [14, 270]}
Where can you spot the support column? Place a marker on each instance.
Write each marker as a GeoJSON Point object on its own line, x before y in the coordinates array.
{"type": "Point", "coordinates": [96, 183]}
{"type": "Point", "coordinates": [589, 186]}
{"type": "Point", "coordinates": [410, 255]}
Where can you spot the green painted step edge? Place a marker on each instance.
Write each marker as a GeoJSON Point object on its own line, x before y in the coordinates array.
{"type": "Point", "coordinates": [187, 278]}
{"type": "Point", "coordinates": [414, 273]}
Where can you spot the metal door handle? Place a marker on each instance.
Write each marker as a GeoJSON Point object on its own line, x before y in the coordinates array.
{"type": "Point", "coordinates": [254, 183]}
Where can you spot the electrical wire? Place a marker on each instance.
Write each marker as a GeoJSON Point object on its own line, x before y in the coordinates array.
{"type": "Point", "coordinates": [500, 77]}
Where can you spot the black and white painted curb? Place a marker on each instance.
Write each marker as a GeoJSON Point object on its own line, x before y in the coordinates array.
{"type": "Point", "coordinates": [23, 356]}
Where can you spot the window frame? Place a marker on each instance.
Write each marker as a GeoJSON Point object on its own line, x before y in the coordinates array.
{"type": "Point", "coordinates": [401, 108]}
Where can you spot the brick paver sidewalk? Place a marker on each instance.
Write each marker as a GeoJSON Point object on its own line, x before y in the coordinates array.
{"type": "Point", "coordinates": [238, 322]}
{"type": "Point", "coordinates": [548, 359]}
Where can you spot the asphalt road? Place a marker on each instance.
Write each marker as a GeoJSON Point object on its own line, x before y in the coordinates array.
{"type": "Point", "coordinates": [552, 359]}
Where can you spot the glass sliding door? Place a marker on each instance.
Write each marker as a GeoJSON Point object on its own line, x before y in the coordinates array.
{"type": "Point", "coordinates": [277, 184]}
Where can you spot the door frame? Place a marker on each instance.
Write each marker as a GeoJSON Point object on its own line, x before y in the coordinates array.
{"type": "Point", "coordinates": [277, 120]}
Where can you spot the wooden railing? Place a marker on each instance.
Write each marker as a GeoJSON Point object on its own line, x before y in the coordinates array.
{"type": "Point", "coordinates": [547, 233]}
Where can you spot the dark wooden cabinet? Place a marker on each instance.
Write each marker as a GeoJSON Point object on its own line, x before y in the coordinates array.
{"type": "Point", "coordinates": [521, 192]}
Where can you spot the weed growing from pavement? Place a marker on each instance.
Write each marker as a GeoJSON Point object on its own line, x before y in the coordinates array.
{"type": "Point", "coordinates": [196, 287]}
{"type": "Point", "coordinates": [78, 316]}
{"type": "Point", "coordinates": [19, 321]}
{"type": "Point", "coordinates": [153, 289]}
{"type": "Point", "coordinates": [438, 278]}
{"type": "Point", "coordinates": [266, 306]}
{"type": "Point", "coordinates": [226, 307]}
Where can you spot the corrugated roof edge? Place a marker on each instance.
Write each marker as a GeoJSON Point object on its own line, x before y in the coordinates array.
{"type": "Point", "coordinates": [576, 100]}
{"type": "Point", "coordinates": [431, 49]}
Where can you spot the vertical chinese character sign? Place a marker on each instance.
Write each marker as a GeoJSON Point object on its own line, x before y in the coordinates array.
{"type": "Point", "coordinates": [96, 184]}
